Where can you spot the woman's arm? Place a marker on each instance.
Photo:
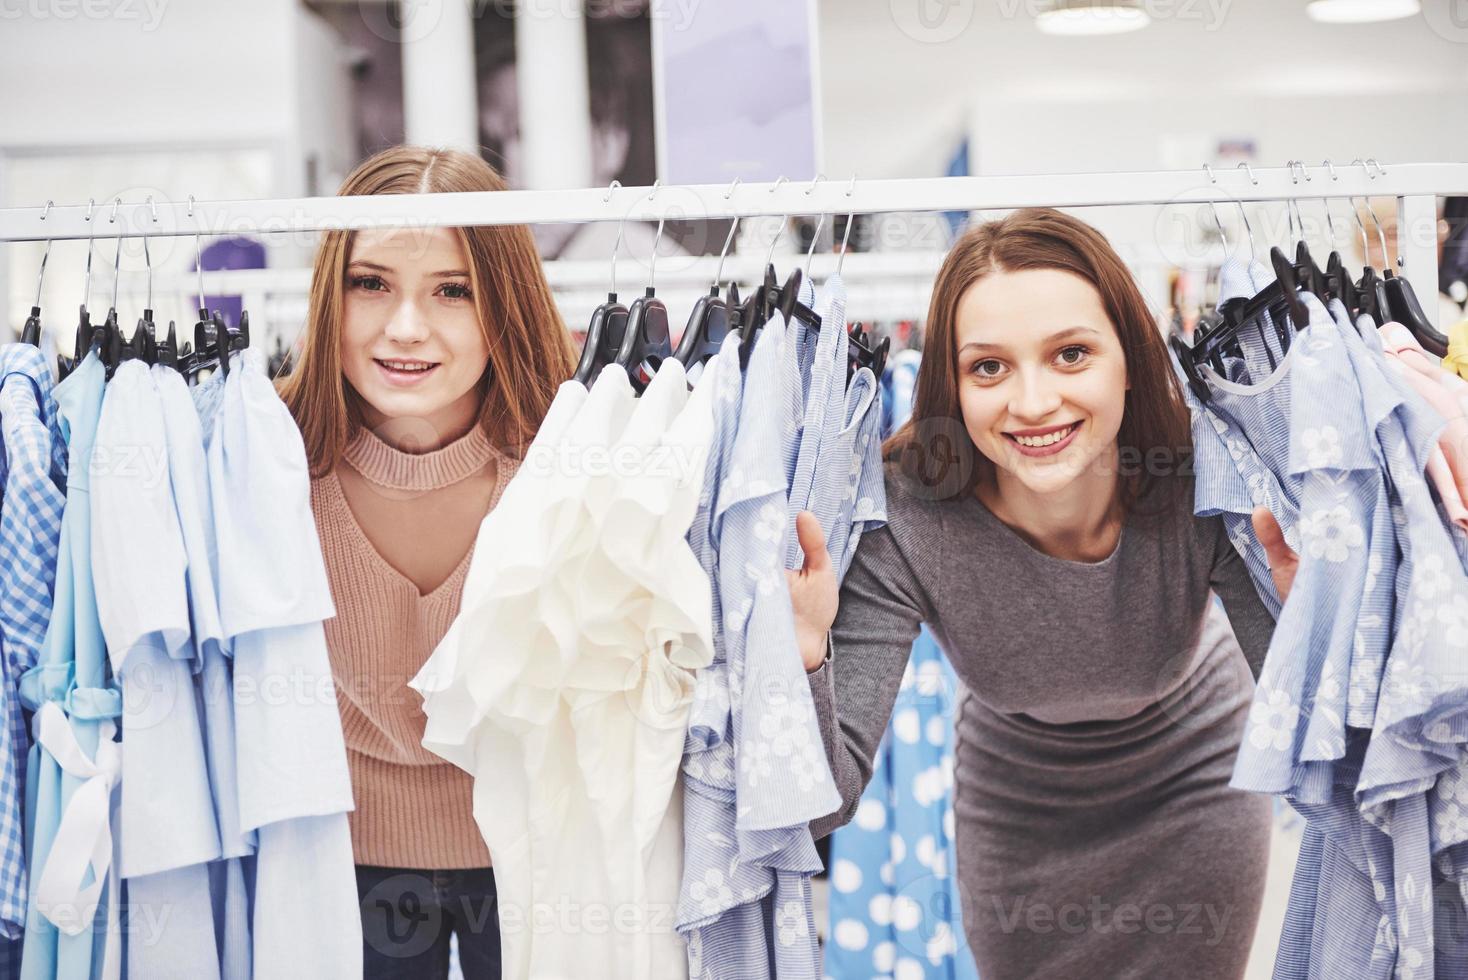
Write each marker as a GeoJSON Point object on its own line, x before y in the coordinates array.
{"type": "Point", "coordinates": [878, 616]}
{"type": "Point", "coordinates": [1250, 618]}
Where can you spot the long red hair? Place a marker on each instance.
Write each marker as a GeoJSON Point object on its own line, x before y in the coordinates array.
{"type": "Point", "coordinates": [530, 351]}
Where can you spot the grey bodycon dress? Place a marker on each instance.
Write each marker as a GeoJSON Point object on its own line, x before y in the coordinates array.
{"type": "Point", "coordinates": [1102, 707]}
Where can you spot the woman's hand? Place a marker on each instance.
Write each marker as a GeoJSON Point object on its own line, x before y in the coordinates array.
{"type": "Point", "coordinates": [1283, 562]}
{"type": "Point", "coordinates": [813, 592]}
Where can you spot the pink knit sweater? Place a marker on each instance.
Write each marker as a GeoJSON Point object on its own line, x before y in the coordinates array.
{"type": "Point", "coordinates": [386, 525]}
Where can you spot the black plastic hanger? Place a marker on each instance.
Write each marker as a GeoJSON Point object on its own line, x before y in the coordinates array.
{"type": "Point", "coordinates": [767, 300]}
{"type": "Point", "coordinates": [603, 339]}
{"type": "Point", "coordinates": [31, 332]}
{"type": "Point", "coordinates": [608, 322]}
{"type": "Point", "coordinates": [1407, 310]}
{"type": "Point", "coordinates": [1279, 299]}
{"type": "Point", "coordinates": [861, 352]}
{"type": "Point", "coordinates": [646, 342]}
{"type": "Point", "coordinates": [710, 321]}
{"type": "Point", "coordinates": [708, 325]}
{"type": "Point", "coordinates": [167, 351]}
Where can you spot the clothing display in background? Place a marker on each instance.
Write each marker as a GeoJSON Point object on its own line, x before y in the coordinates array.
{"type": "Point", "coordinates": [1457, 359]}
{"type": "Point", "coordinates": [564, 683]}
{"type": "Point", "coordinates": [755, 769]}
{"type": "Point", "coordinates": [1359, 716]}
{"type": "Point", "coordinates": [894, 895]}
{"type": "Point", "coordinates": [237, 252]}
{"type": "Point", "coordinates": [896, 856]}
{"type": "Point", "coordinates": [186, 788]}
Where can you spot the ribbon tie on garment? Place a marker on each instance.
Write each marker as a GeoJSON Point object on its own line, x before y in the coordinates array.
{"type": "Point", "coordinates": [84, 837]}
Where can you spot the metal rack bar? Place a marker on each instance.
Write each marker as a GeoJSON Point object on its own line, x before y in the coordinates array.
{"type": "Point", "coordinates": [711, 201]}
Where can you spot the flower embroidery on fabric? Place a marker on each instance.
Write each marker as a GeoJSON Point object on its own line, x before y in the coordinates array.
{"type": "Point", "coordinates": [1272, 721]}
{"type": "Point", "coordinates": [1322, 446]}
{"type": "Point", "coordinates": [808, 766]}
{"type": "Point", "coordinates": [754, 761]}
{"type": "Point", "coordinates": [711, 893]}
{"type": "Point", "coordinates": [770, 524]}
{"type": "Point", "coordinates": [1431, 579]}
{"type": "Point", "coordinates": [1331, 534]}
{"type": "Point", "coordinates": [1453, 615]}
{"type": "Point", "coordinates": [790, 920]}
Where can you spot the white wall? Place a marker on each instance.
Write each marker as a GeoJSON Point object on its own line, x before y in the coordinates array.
{"type": "Point", "coordinates": [219, 99]}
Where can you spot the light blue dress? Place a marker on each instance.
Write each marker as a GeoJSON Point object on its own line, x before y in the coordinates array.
{"type": "Point", "coordinates": [294, 789]}
{"type": "Point", "coordinates": [746, 855]}
{"type": "Point", "coordinates": [72, 674]}
{"type": "Point", "coordinates": [167, 829]}
{"type": "Point", "coordinates": [34, 496]}
{"type": "Point", "coordinates": [214, 673]}
{"type": "Point", "coordinates": [1358, 718]}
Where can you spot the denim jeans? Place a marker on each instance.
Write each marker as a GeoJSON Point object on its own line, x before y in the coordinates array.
{"type": "Point", "coordinates": [409, 914]}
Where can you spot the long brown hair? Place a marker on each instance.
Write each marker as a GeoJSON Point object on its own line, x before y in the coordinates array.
{"type": "Point", "coordinates": [933, 452]}
{"type": "Point", "coordinates": [530, 352]}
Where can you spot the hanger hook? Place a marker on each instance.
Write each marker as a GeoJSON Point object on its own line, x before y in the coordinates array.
{"type": "Point", "coordinates": [733, 184]}
{"type": "Point", "coordinates": [850, 220]}
{"type": "Point", "coordinates": [1380, 234]}
{"type": "Point", "coordinates": [784, 219]}
{"type": "Point", "coordinates": [1216, 220]}
{"type": "Point", "coordinates": [1250, 170]}
{"type": "Point", "coordinates": [820, 223]}
{"type": "Point", "coordinates": [1356, 214]}
{"type": "Point", "coordinates": [728, 239]}
{"type": "Point", "coordinates": [116, 268]}
{"type": "Point", "coordinates": [87, 295]}
{"type": "Point", "coordinates": [1381, 171]}
{"type": "Point", "coordinates": [819, 178]}
{"type": "Point", "coordinates": [41, 277]}
{"type": "Point", "coordinates": [148, 258]}
{"type": "Point", "coordinates": [621, 226]}
{"type": "Point", "coordinates": [653, 268]}
{"type": "Point", "coordinates": [199, 262]}
{"type": "Point", "coordinates": [112, 219]}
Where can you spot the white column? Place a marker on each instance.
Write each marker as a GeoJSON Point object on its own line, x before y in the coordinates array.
{"type": "Point", "coordinates": [555, 102]}
{"type": "Point", "coordinates": [440, 91]}
{"type": "Point", "coordinates": [1417, 245]}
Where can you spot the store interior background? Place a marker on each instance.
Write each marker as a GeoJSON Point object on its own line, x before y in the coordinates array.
{"type": "Point", "coordinates": [101, 99]}
{"type": "Point", "coordinates": [223, 99]}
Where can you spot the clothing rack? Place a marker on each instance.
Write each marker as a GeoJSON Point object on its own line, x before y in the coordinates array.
{"type": "Point", "coordinates": [1414, 185]}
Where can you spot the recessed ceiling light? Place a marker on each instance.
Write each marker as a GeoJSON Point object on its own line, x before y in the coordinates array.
{"type": "Point", "coordinates": [1073, 17]}
{"type": "Point", "coordinates": [1361, 11]}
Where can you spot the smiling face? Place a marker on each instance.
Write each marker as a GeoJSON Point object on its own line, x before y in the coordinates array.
{"type": "Point", "coordinates": [1042, 378]}
{"type": "Point", "coordinates": [412, 345]}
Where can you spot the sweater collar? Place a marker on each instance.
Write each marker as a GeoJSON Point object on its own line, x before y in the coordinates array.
{"type": "Point", "coordinates": [396, 469]}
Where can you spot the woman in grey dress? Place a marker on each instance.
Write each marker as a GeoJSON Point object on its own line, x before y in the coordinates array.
{"type": "Point", "coordinates": [1040, 522]}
